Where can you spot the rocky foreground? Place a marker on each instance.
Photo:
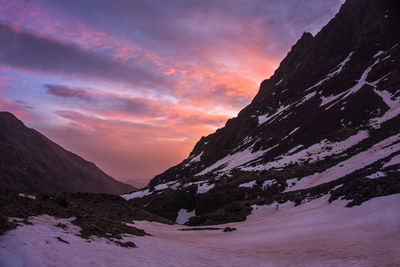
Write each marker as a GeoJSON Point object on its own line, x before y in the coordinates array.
{"type": "Point", "coordinates": [99, 215]}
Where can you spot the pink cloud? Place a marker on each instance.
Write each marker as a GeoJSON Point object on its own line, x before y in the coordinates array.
{"type": "Point", "coordinates": [18, 108]}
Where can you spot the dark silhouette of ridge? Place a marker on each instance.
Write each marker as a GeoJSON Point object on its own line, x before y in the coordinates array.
{"type": "Point", "coordinates": [30, 162]}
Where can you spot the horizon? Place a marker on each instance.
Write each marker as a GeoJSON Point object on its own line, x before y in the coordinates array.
{"type": "Point", "coordinates": [133, 86]}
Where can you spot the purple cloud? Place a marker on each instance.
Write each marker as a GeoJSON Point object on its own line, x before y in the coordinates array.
{"type": "Point", "coordinates": [105, 102]}
{"type": "Point", "coordinates": [29, 51]}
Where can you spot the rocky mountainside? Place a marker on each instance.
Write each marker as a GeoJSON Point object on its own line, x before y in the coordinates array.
{"type": "Point", "coordinates": [30, 162]}
{"type": "Point", "coordinates": [326, 123]}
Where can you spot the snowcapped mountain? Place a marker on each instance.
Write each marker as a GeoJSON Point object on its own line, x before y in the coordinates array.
{"type": "Point", "coordinates": [322, 134]}
{"type": "Point", "coordinates": [326, 123]}
{"type": "Point", "coordinates": [30, 162]}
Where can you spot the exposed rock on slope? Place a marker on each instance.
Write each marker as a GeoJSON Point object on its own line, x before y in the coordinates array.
{"type": "Point", "coordinates": [100, 215]}
{"type": "Point", "coordinates": [30, 162]}
{"type": "Point", "coordinates": [326, 122]}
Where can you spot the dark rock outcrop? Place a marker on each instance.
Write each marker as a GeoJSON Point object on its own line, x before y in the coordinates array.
{"type": "Point", "coordinates": [100, 215]}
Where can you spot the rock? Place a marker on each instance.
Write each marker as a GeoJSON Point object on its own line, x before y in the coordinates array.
{"type": "Point", "coordinates": [62, 240]}
{"type": "Point", "coordinates": [229, 229]}
{"type": "Point", "coordinates": [128, 244]}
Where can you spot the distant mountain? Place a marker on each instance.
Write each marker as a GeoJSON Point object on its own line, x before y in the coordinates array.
{"type": "Point", "coordinates": [30, 162]}
{"type": "Point", "coordinates": [326, 123]}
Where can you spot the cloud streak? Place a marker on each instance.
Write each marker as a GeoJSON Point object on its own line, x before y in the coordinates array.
{"type": "Point", "coordinates": [117, 106]}
{"type": "Point", "coordinates": [18, 108]}
{"type": "Point", "coordinates": [95, 100]}
{"type": "Point", "coordinates": [26, 50]}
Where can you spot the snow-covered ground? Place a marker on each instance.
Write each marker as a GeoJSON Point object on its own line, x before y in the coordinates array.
{"type": "Point", "coordinates": [311, 154]}
{"type": "Point", "coordinates": [145, 192]}
{"type": "Point", "coordinates": [266, 117]}
{"type": "Point", "coordinates": [361, 160]}
{"type": "Point", "coordinates": [313, 234]}
{"type": "Point", "coordinates": [319, 151]}
{"type": "Point", "coordinates": [394, 108]}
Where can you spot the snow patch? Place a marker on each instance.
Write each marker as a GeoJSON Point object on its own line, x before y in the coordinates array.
{"type": "Point", "coordinates": [268, 183]}
{"type": "Point", "coordinates": [292, 132]}
{"type": "Point", "coordinates": [380, 52]}
{"type": "Point", "coordinates": [174, 185]}
{"type": "Point", "coordinates": [295, 149]}
{"type": "Point", "coordinates": [184, 216]}
{"type": "Point", "coordinates": [306, 98]}
{"type": "Point", "coordinates": [279, 82]}
{"type": "Point", "coordinates": [262, 211]}
{"type": "Point", "coordinates": [160, 187]}
{"type": "Point", "coordinates": [336, 187]}
{"type": "Point", "coordinates": [393, 111]}
{"type": "Point", "coordinates": [204, 188]}
{"type": "Point", "coordinates": [137, 194]}
{"type": "Point", "coordinates": [194, 159]}
{"type": "Point", "coordinates": [234, 160]}
{"type": "Point", "coordinates": [393, 161]}
{"type": "Point", "coordinates": [313, 153]}
{"type": "Point", "coordinates": [264, 118]}
{"type": "Point", "coordinates": [27, 196]}
{"type": "Point", "coordinates": [249, 184]}
{"type": "Point", "coordinates": [377, 152]}
{"type": "Point", "coordinates": [197, 158]}
{"type": "Point", "coordinates": [327, 99]}
{"type": "Point", "coordinates": [376, 175]}
{"type": "Point", "coordinates": [291, 183]}
{"type": "Point", "coordinates": [246, 140]}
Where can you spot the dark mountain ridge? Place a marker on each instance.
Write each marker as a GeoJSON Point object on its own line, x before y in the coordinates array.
{"type": "Point", "coordinates": [30, 162]}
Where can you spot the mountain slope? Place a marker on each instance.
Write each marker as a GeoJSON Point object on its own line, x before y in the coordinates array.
{"type": "Point", "coordinates": [327, 122]}
{"type": "Point", "coordinates": [30, 162]}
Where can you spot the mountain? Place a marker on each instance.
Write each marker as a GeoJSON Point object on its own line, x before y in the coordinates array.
{"type": "Point", "coordinates": [326, 123]}
{"type": "Point", "coordinates": [313, 234]}
{"type": "Point", "coordinates": [30, 162]}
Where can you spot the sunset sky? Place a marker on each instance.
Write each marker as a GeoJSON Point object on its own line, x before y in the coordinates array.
{"type": "Point", "coordinates": [133, 85]}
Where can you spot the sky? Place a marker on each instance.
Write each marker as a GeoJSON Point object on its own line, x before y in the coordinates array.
{"type": "Point", "coordinates": [133, 85]}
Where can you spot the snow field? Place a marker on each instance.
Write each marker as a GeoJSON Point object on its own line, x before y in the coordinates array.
{"type": "Point", "coordinates": [313, 234]}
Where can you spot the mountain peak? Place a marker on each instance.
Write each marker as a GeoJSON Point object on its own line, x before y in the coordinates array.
{"type": "Point", "coordinates": [326, 121]}
{"type": "Point", "coordinates": [9, 118]}
{"type": "Point", "coordinates": [305, 39]}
